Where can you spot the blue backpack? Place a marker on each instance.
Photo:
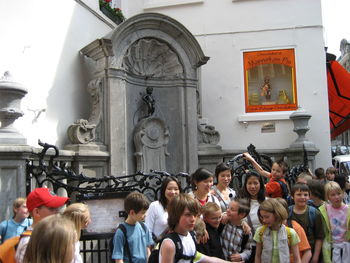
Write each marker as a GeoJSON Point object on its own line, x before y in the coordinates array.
{"type": "Point", "coordinates": [311, 218]}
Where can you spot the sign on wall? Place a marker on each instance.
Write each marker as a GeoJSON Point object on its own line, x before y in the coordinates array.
{"type": "Point", "coordinates": [269, 80]}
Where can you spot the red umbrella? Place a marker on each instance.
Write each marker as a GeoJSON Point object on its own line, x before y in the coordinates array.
{"type": "Point", "coordinates": [338, 79]}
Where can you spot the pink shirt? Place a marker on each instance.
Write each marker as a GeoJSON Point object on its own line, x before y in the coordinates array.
{"type": "Point", "coordinates": [337, 218]}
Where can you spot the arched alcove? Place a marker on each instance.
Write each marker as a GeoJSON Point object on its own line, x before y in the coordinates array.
{"type": "Point", "coordinates": [147, 50]}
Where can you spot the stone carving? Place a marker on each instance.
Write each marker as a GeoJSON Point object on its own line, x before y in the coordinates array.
{"type": "Point", "coordinates": [83, 131]}
{"type": "Point", "coordinates": [151, 137]}
{"type": "Point", "coordinates": [152, 58]}
{"type": "Point", "coordinates": [11, 94]}
{"type": "Point", "coordinates": [150, 101]}
{"type": "Point", "coordinates": [207, 133]}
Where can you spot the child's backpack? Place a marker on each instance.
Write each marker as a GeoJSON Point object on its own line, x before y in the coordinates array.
{"type": "Point", "coordinates": [154, 257]}
{"type": "Point", "coordinates": [8, 248]}
{"type": "Point", "coordinates": [289, 235]}
{"type": "Point", "coordinates": [311, 217]}
{"type": "Point", "coordinates": [126, 245]}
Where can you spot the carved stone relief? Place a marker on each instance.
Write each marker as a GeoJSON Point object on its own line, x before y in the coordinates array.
{"type": "Point", "coordinates": [207, 133]}
{"type": "Point", "coordinates": [151, 137]}
{"type": "Point", "coordinates": [84, 131]}
{"type": "Point", "coordinates": [151, 58]}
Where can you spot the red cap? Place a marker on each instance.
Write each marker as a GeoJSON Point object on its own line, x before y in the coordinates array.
{"type": "Point", "coordinates": [43, 196]}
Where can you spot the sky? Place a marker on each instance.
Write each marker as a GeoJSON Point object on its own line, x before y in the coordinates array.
{"type": "Point", "coordinates": [336, 22]}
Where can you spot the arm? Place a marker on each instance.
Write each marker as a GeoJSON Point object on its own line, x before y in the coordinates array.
{"type": "Point", "coordinates": [148, 252]}
{"type": "Point", "coordinates": [206, 259]}
{"type": "Point", "coordinates": [305, 258]}
{"type": "Point", "coordinates": [317, 250]}
{"type": "Point", "coordinates": [258, 253]}
{"type": "Point", "coordinates": [167, 250]}
{"type": "Point", "coordinates": [119, 261]}
{"type": "Point", "coordinates": [296, 255]}
{"type": "Point", "coordinates": [257, 166]}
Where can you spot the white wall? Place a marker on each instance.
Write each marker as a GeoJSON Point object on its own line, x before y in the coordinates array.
{"type": "Point", "coordinates": [225, 29]}
{"type": "Point", "coordinates": [40, 45]}
{"type": "Point", "coordinates": [41, 42]}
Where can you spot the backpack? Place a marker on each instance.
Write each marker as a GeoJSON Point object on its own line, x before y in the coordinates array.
{"type": "Point", "coordinates": [311, 217]}
{"type": "Point", "coordinates": [289, 235]}
{"type": "Point", "coordinates": [126, 245]}
{"type": "Point", "coordinates": [154, 257]}
{"type": "Point", "coordinates": [8, 248]}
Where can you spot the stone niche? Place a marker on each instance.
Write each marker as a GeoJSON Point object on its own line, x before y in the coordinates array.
{"type": "Point", "coordinates": [148, 50]}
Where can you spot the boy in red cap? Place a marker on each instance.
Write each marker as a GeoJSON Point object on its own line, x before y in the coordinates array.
{"type": "Point", "coordinates": [40, 203]}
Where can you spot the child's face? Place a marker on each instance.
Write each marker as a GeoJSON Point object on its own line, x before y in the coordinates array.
{"type": "Point", "coordinates": [301, 181]}
{"type": "Point", "coordinates": [22, 211]}
{"type": "Point", "coordinates": [267, 218]}
{"type": "Point", "coordinates": [330, 176]}
{"type": "Point", "coordinates": [187, 221]}
{"type": "Point", "coordinates": [232, 212]}
{"type": "Point", "coordinates": [301, 198]}
{"type": "Point", "coordinates": [277, 171]}
{"type": "Point", "coordinates": [172, 189]}
{"type": "Point", "coordinates": [335, 197]}
{"type": "Point", "coordinates": [140, 216]}
{"type": "Point", "coordinates": [253, 186]}
{"type": "Point", "coordinates": [205, 185]}
{"type": "Point", "coordinates": [224, 178]}
{"type": "Point", "coordinates": [213, 218]}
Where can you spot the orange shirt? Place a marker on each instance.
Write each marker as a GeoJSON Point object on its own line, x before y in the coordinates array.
{"type": "Point", "coordinates": [273, 188]}
{"type": "Point", "coordinates": [304, 243]}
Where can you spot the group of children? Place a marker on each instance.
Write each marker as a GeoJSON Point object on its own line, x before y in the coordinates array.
{"type": "Point", "coordinates": [317, 231]}
{"type": "Point", "coordinates": [52, 237]}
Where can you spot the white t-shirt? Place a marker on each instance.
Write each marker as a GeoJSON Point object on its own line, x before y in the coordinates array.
{"type": "Point", "coordinates": [156, 218]}
{"type": "Point", "coordinates": [189, 248]}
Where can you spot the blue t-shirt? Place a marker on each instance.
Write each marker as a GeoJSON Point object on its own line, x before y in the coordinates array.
{"type": "Point", "coordinates": [10, 228]}
{"type": "Point", "coordinates": [138, 240]}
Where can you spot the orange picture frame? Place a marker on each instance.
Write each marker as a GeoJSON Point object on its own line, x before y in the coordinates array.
{"type": "Point", "coordinates": [270, 80]}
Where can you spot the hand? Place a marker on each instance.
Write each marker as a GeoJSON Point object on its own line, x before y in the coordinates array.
{"type": "Point", "coordinates": [236, 258]}
{"type": "Point", "coordinates": [224, 218]}
{"type": "Point", "coordinates": [246, 228]}
{"type": "Point", "coordinates": [247, 156]}
{"type": "Point", "coordinates": [204, 238]}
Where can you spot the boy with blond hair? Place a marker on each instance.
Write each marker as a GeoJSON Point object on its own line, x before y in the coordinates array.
{"type": "Point", "coordinates": [20, 221]}
{"type": "Point", "coordinates": [212, 216]}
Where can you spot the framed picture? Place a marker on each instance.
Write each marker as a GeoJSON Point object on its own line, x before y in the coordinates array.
{"type": "Point", "coordinates": [269, 80]}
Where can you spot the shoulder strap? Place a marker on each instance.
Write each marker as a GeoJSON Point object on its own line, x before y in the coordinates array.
{"type": "Point", "coordinates": [289, 235]}
{"type": "Point", "coordinates": [262, 230]}
{"type": "Point", "coordinates": [290, 210]}
{"type": "Point", "coordinates": [289, 222]}
{"type": "Point", "coordinates": [144, 227]}
{"type": "Point", "coordinates": [244, 242]}
{"type": "Point", "coordinates": [179, 248]}
{"type": "Point", "coordinates": [312, 216]}
{"type": "Point", "coordinates": [126, 245]}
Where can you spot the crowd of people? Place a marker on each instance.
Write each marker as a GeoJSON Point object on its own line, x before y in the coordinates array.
{"type": "Point", "coordinates": [273, 222]}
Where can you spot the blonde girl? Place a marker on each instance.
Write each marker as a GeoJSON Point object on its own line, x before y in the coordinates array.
{"type": "Point", "coordinates": [79, 214]}
{"type": "Point", "coordinates": [336, 225]}
{"type": "Point", "coordinates": [274, 242]}
{"type": "Point", "coordinates": [52, 240]}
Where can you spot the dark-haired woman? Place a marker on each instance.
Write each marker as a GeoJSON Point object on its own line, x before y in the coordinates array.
{"type": "Point", "coordinates": [221, 190]}
{"type": "Point", "coordinates": [202, 181]}
{"type": "Point", "coordinates": [253, 189]}
{"type": "Point", "coordinates": [157, 214]}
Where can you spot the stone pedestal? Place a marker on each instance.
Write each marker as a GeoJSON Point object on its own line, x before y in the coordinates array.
{"type": "Point", "coordinates": [295, 152]}
{"type": "Point", "coordinates": [11, 94]}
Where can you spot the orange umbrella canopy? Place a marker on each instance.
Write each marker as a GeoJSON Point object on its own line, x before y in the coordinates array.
{"type": "Point", "coordinates": [338, 79]}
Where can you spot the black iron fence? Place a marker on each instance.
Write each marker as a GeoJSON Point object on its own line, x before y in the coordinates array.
{"type": "Point", "coordinates": [47, 170]}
